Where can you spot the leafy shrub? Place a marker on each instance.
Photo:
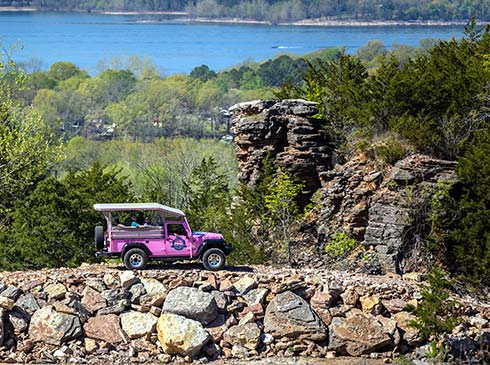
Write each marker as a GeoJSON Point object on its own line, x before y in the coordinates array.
{"type": "Point", "coordinates": [340, 244]}
{"type": "Point", "coordinates": [390, 150]}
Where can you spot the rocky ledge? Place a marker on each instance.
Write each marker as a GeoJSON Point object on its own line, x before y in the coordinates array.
{"type": "Point", "coordinates": [101, 313]}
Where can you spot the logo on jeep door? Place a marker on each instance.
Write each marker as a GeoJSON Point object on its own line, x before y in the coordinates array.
{"type": "Point", "coordinates": [178, 244]}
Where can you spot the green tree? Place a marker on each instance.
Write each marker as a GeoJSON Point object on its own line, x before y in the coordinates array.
{"type": "Point", "coordinates": [60, 71]}
{"type": "Point", "coordinates": [282, 210]}
{"type": "Point", "coordinates": [434, 314]}
{"type": "Point", "coordinates": [26, 150]}
{"type": "Point", "coordinates": [202, 73]}
{"type": "Point", "coordinates": [371, 50]}
{"type": "Point", "coordinates": [469, 238]}
{"type": "Point", "coordinates": [207, 195]}
{"type": "Point", "coordinates": [53, 226]}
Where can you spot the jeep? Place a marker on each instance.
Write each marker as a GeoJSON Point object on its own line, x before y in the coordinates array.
{"type": "Point", "coordinates": [164, 235]}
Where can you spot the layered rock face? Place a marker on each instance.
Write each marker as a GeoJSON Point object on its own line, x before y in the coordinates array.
{"type": "Point", "coordinates": [399, 209]}
{"type": "Point", "coordinates": [285, 131]}
{"type": "Point", "coordinates": [177, 315]}
{"type": "Point", "coordinates": [382, 208]}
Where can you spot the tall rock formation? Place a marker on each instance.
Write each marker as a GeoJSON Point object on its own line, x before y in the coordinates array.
{"type": "Point", "coordinates": [287, 132]}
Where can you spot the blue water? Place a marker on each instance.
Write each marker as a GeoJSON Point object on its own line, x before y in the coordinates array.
{"type": "Point", "coordinates": [177, 47]}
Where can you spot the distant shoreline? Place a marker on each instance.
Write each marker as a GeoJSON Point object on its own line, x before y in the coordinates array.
{"type": "Point", "coordinates": [326, 23]}
{"type": "Point", "coordinates": [319, 22]}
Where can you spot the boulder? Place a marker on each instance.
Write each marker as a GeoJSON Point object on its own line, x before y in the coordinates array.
{"type": "Point", "coordinates": [11, 292]}
{"type": "Point", "coordinates": [19, 321]}
{"type": "Point", "coordinates": [155, 293]}
{"type": "Point", "coordinates": [394, 305]}
{"type": "Point", "coordinates": [191, 303]}
{"type": "Point", "coordinates": [93, 300]}
{"type": "Point", "coordinates": [137, 324]}
{"type": "Point", "coordinates": [181, 336]}
{"type": "Point", "coordinates": [321, 300]}
{"type": "Point", "coordinates": [256, 296]}
{"type": "Point", "coordinates": [96, 284]}
{"type": "Point", "coordinates": [217, 328]}
{"type": "Point", "coordinates": [370, 304]}
{"type": "Point", "coordinates": [350, 296]}
{"type": "Point", "coordinates": [245, 335]}
{"type": "Point", "coordinates": [6, 303]}
{"type": "Point", "coordinates": [55, 291]}
{"type": "Point", "coordinates": [128, 278]}
{"type": "Point", "coordinates": [52, 327]}
{"type": "Point", "coordinates": [409, 334]}
{"type": "Point", "coordinates": [135, 292]}
{"type": "Point", "coordinates": [110, 281]}
{"type": "Point", "coordinates": [106, 328]}
{"type": "Point", "coordinates": [357, 334]}
{"type": "Point", "coordinates": [245, 284]}
{"type": "Point", "coordinates": [28, 303]}
{"type": "Point", "coordinates": [289, 315]}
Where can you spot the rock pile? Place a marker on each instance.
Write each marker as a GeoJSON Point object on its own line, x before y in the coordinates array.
{"type": "Point", "coordinates": [99, 313]}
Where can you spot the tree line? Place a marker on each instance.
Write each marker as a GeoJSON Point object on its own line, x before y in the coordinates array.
{"type": "Point", "coordinates": [136, 102]}
{"type": "Point", "coordinates": [276, 11]}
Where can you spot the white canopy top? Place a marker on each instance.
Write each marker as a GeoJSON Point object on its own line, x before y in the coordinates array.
{"type": "Point", "coordinates": [114, 207]}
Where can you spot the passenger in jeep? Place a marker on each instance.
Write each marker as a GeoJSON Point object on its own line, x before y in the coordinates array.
{"type": "Point", "coordinates": [133, 224]}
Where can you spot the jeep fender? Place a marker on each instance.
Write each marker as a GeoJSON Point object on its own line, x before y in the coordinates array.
{"type": "Point", "coordinates": [131, 245]}
{"type": "Point", "coordinates": [210, 244]}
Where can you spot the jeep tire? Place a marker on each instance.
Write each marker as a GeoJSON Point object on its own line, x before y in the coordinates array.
{"type": "Point", "coordinates": [213, 259]}
{"type": "Point", "coordinates": [99, 237]}
{"type": "Point", "coordinates": [135, 259]}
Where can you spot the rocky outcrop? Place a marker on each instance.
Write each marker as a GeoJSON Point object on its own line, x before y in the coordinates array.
{"type": "Point", "coordinates": [384, 209]}
{"type": "Point", "coordinates": [307, 312]}
{"type": "Point", "coordinates": [381, 207]}
{"type": "Point", "coordinates": [398, 211]}
{"type": "Point", "coordinates": [286, 132]}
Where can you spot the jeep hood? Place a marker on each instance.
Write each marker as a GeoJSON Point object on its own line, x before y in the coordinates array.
{"type": "Point", "coordinates": [207, 235]}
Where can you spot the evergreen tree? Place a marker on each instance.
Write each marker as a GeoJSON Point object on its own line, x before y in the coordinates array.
{"type": "Point", "coordinates": [54, 225]}
{"type": "Point", "coordinates": [207, 196]}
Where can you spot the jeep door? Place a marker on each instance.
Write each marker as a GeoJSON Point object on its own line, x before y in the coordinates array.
{"type": "Point", "coordinates": [177, 240]}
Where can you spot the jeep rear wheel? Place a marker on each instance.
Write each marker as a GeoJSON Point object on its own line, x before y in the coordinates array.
{"type": "Point", "coordinates": [135, 259]}
{"type": "Point", "coordinates": [213, 259]}
{"type": "Point", "coordinates": [99, 237]}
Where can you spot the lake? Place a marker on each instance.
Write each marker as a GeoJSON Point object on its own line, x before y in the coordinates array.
{"type": "Point", "coordinates": [177, 46]}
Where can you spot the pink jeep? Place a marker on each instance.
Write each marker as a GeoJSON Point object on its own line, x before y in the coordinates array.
{"type": "Point", "coordinates": [164, 234]}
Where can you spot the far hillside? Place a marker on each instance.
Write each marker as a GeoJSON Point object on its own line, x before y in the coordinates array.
{"type": "Point", "coordinates": [277, 11]}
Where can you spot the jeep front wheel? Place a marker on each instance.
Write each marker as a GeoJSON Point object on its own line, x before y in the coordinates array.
{"type": "Point", "coordinates": [135, 259]}
{"type": "Point", "coordinates": [213, 259]}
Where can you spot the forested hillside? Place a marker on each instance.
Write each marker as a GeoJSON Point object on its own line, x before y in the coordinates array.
{"type": "Point", "coordinates": [283, 10]}
{"type": "Point", "coordinates": [138, 103]}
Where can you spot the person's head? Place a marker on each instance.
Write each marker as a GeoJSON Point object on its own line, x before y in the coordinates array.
{"type": "Point", "coordinates": [147, 219]}
{"type": "Point", "coordinates": [134, 217]}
